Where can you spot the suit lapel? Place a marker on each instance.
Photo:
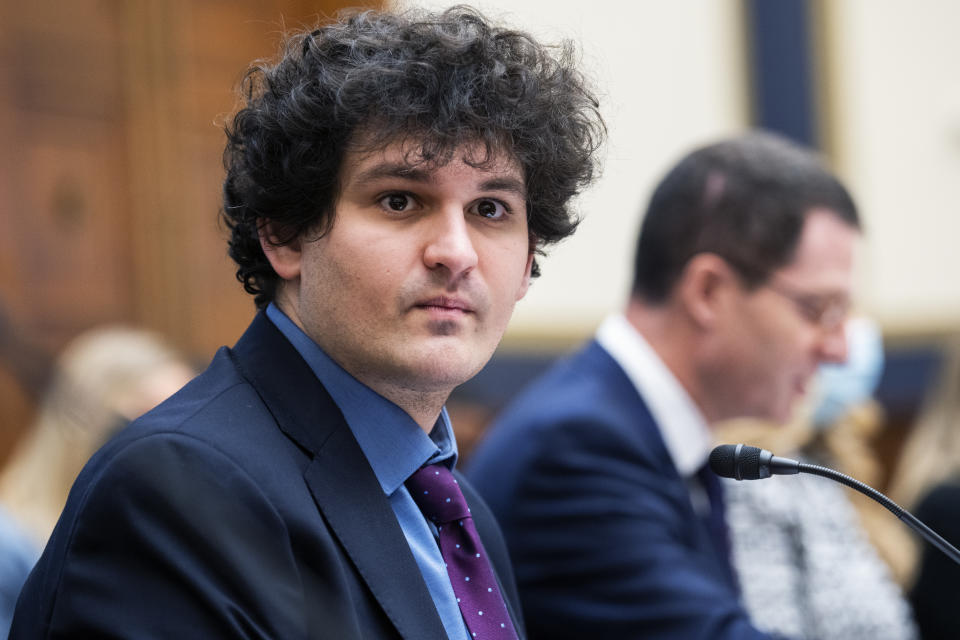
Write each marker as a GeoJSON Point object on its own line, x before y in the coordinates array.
{"type": "Point", "coordinates": [341, 480]}
{"type": "Point", "coordinates": [362, 519]}
{"type": "Point", "coordinates": [676, 485]}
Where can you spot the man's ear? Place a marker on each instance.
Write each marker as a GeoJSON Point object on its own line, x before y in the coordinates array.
{"type": "Point", "coordinates": [525, 284]}
{"type": "Point", "coordinates": [284, 258]}
{"type": "Point", "coordinates": [705, 287]}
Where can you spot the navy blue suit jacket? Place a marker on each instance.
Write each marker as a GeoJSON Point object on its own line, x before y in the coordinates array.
{"type": "Point", "coordinates": [600, 526]}
{"type": "Point", "coordinates": [242, 507]}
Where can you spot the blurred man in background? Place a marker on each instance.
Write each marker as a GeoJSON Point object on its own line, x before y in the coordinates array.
{"type": "Point", "coordinates": [597, 472]}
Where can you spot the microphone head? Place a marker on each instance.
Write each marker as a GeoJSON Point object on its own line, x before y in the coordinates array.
{"type": "Point", "coordinates": [739, 461]}
{"type": "Point", "coordinates": [722, 461]}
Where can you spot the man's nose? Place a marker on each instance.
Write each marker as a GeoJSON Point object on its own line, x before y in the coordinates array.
{"type": "Point", "coordinates": [449, 243]}
{"type": "Point", "coordinates": [833, 344]}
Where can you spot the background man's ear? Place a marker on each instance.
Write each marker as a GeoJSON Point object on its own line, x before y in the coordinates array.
{"type": "Point", "coordinates": [705, 287]}
{"type": "Point", "coordinates": [284, 258]}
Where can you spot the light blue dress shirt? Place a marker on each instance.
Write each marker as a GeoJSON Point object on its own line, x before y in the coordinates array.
{"type": "Point", "coordinates": [17, 556]}
{"type": "Point", "coordinates": [395, 446]}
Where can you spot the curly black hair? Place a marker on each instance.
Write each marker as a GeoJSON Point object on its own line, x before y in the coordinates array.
{"type": "Point", "coordinates": [439, 80]}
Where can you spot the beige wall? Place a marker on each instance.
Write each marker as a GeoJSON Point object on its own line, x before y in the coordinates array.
{"type": "Point", "coordinates": [670, 75]}
{"type": "Point", "coordinates": [673, 74]}
{"type": "Point", "coordinates": [893, 110]}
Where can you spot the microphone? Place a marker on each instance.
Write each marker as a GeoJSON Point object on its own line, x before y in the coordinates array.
{"type": "Point", "coordinates": [743, 462]}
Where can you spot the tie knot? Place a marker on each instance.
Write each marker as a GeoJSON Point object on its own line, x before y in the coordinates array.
{"type": "Point", "coordinates": [437, 493]}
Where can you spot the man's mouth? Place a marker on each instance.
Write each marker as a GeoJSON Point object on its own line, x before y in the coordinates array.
{"type": "Point", "coordinates": [443, 304]}
{"type": "Point", "coordinates": [802, 384]}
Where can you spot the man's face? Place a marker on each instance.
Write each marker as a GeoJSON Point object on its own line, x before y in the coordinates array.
{"type": "Point", "coordinates": [781, 331]}
{"type": "Point", "coordinates": [413, 286]}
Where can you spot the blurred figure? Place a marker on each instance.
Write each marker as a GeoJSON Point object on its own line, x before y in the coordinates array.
{"type": "Point", "coordinates": [103, 379]}
{"type": "Point", "coordinates": [927, 483]}
{"type": "Point", "coordinates": [597, 471]}
{"type": "Point", "coordinates": [17, 555]}
{"type": "Point", "coordinates": [806, 565]}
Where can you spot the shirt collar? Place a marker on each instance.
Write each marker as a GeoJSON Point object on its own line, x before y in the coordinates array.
{"type": "Point", "coordinates": [393, 443]}
{"type": "Point", "coordinates": [685, 431]}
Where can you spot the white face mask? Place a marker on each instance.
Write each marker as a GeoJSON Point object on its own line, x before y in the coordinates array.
{"type": "Point", "coordinates": [840, 387]}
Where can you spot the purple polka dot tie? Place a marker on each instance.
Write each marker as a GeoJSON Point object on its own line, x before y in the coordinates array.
{"type": "Point", "coordinates": [435, 491]}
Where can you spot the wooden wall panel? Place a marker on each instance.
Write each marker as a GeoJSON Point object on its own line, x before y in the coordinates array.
{"type": "Point", "coordinates": [111, 115]}
{"type": "Point", "coordinates": [64, 165]}
{"type": "Point", "coordinates": [74, 254]}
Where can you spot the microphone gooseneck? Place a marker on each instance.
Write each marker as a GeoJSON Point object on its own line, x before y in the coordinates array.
{"type": "Point", "coordinates": [743, 462]}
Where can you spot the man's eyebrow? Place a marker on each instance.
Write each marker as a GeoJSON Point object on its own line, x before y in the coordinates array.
{"type": "Point", "coordinates": [505, 183]}
{"type": "Point", "coordinates": [393, 170]}
{"type": "Point", "coordinates": [404, 171]}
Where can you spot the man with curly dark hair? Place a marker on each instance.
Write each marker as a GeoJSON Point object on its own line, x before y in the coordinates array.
{"type": "Point", "coordinates": [390, 179]}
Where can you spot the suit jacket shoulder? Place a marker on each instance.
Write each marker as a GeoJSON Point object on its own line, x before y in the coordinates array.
{"type": "Point", "coordinates": [242, 507]}
{"type": "Point", "coordinates": [599, 524]}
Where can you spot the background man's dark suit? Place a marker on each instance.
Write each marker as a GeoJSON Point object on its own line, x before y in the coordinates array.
{"type": "Point", "coordinates": [241, 508]}
{"type": "Point", "coordinates": [604, 539]}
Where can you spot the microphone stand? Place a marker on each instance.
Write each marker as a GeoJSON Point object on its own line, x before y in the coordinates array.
{"type": "Point", "coordinates": [905, 516]}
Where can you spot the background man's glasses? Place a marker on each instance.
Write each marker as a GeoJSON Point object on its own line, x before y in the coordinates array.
{"type": "Point", "coordinates": [828, 312]}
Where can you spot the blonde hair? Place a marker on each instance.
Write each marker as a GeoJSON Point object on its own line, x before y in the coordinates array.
{"type": "Point", "coordinates": [931, 452]}
{"type": "Point", "coordinates": [104, 378]}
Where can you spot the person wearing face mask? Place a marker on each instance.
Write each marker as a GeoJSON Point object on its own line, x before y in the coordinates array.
{"type": "Point", "coordinates": [801, 547]}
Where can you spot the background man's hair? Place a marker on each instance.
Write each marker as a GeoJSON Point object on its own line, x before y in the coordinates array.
{"type": "Point", "coordinates": [430, 81]}
{"type": "Point", "coordinates": [744, 199]}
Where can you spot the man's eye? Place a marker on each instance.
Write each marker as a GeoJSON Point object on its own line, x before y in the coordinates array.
{"type": "Point", "coordinates": [396, 202]}
{"type": "Point", "coordinates": [490, 209]}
